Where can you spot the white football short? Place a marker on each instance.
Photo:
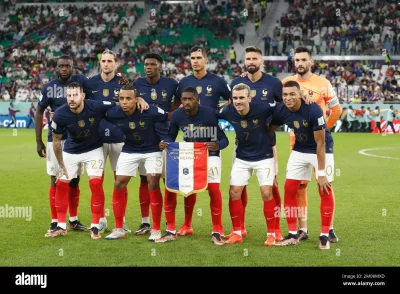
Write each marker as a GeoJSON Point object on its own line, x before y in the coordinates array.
{"type": "Point", "coordinates": [128, 163]}
{"type": "Point", "coordinates": [214, 169]}
{"type": "Point", "coordinates": [301, 165]}
{"type": "Point", "coordinates": [93, 161]}
{"type": "Point", "coordinates": [242, 171]}
{"type": "Point", "coordinates": [51, 160]}
{"type": "Point", "coordinates": [112, 150]}
{"type": "Point", "coordinates": [142, 169]}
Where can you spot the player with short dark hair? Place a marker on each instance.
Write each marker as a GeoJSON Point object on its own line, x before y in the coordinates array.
{"type": "Point", "coordinates": [140, 146]}
{"type": "Point", "coordinates": [210, 89]}
{"type": "Point", "coordinates": [254, 153]}
{"type": "Point", "coordinates": [158, 91]}
{"type": "Point", "coordinates": [81, 119]}
{"type": "Point", "coordinates": [312, 139]}
{"type": "Point", "coordinates": [53, 95]}
{"type": "Point", "coordinates": [199, 124]}
{"type": "Point", "coordinates": [323, 94]}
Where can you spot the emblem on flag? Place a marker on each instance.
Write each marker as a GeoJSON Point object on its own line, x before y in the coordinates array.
{"type": "Point", "coordinates": [106, 92]}
{"type": "Point", "coordinates": [186, 167]}
{"type": "Point", "coordinates": [81, 123]}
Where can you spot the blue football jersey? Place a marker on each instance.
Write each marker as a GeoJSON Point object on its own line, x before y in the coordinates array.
{"type": "Point", "coordinates": [82, 128]}
{"type": "Point", "coordinates": [139, 128]}
{"type": "Point", "coordinates": [304, 122]}
{"type": "Point", "coordinates": [98, 90]}
{"type": "Point", "coordinates": [210, 89]}
{"type": "Point", "coordinates": [253, 139]}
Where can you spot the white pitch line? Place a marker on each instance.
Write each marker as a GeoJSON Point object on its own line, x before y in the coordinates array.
{"type": "Point", "coordinates": [364, 152]}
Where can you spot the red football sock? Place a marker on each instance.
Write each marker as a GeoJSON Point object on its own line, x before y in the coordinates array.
{"type": "Point", "coordinates": [156, 203]}
{"type": "Point", "coordinates": [278, 207]}
{"type": "Point", "coordinates": [236, 210]}
{"type": "Point", "coordinates": [269, 214]}
{"type": "Point", "coordinates": [61, 201]}
{"type": "Point", "coordinates": [216, 207]}
{"type": "Point", "coordinates": [144, 199]}
{"type": "Point", "coordinates": [74, 194]}
{"type": "Point", "coordinates": [326, 210]}
{"type": "Point", "coordinates": [119, 205]}
{"type": "Point", "coordinates": [97, 200]}
{"type": "Point", "coordinates": [52, 200]}
{"type": "Point", "coordinates": [189, 203]}
{"type": "Point", "coordinates": [169, 209]}
{"type": "Point", "coordinates": [244, 203]}
{"type": "Point", "coordinates": [290, 203]}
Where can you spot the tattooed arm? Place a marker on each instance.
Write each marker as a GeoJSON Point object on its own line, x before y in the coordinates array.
{"type": "Point", "coordinates": [57, 148]}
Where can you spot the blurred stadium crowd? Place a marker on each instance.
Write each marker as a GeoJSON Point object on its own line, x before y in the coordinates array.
{"type": "Point", "coordinates": [32, 37]}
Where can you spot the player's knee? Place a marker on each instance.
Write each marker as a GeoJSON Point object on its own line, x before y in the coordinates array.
{"type": "Point", "coordinates": [266, 195]}
{"type": "Point", "coordinates": [234, 193]}
{"type": "Point", "coordinates": [154, 184]}
{"type": "Point", "coordinates": [119, 185]}
{"type": "Point", "coordinates": [143, 179]}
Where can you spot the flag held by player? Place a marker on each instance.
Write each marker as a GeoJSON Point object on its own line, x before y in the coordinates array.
{"type": "Point", "coordinates": [186, 167]}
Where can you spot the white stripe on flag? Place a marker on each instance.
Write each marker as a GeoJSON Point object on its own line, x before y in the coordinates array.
{"type": "Point", "coordinates": [186, 155]}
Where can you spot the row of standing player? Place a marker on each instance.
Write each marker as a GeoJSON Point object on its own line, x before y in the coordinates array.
{"type": "Point", "coordinates": [210, 87]}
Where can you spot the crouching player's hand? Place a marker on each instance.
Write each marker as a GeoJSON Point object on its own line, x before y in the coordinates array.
{"type": "Point", "coordinates": [163, 145]}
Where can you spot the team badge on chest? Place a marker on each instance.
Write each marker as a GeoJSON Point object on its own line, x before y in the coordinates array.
{"type": "Point", "coordinates": [243, 124]}
{"type": "Point", "coordinates": [81, 123]}
{"type": "Point", "coordinates": [209, 90]}
{"type": "Point", "coordinates": [164, 95]}
{"type": "Point", "coordinates": [132, 125]}
{"type": "Point", "coordinates": [106, 92]}
{"type": "Point", "coordinates": [153, 94]}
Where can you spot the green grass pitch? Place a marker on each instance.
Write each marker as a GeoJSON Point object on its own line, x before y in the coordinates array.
{"type": "Point", "coordinates": [367, 214]}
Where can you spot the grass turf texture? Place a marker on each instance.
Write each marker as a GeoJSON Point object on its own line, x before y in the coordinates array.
{"type": "Point", "coordinates": [366, 218]}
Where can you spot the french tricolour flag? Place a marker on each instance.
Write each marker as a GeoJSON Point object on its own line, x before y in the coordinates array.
{"type": "Point", "coordinates": [186, 167]}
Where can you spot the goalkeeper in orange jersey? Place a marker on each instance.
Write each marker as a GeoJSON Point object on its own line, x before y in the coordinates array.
{"type": "Point", "coordinates": [323, 94]}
